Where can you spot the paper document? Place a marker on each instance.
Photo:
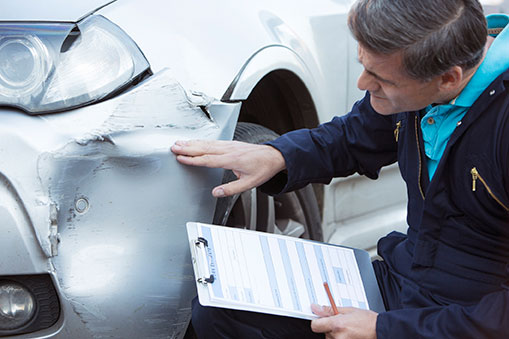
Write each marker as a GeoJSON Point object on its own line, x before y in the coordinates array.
{"type": "Point", "coordinates": [270, 273]}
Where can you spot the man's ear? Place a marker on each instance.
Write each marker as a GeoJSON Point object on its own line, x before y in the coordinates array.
{"type": "Point", "coordinates": [452, 80]}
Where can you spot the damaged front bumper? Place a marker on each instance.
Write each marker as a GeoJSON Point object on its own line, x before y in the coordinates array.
{"type": "Point", "coordinates": [94, 199]}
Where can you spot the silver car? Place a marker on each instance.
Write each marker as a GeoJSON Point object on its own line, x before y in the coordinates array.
{"type": "Point", "coordinates": [93, 204]}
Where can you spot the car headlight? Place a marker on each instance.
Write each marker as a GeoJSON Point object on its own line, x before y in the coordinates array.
{"type": "Point", "coordinates": [48, 67]}
{"type": "Point", "coordinates": [17, 306]}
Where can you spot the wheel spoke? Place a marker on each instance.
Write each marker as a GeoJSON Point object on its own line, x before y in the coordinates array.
{"type": "Point", "coordinates": [229, 207]}
{"type": "Point", "coordinates": [265, 213]}
{"type": "Point", "coordinates": [249, 206]}
{"type": "Point", "coordinates": [271, 216]}
{"type": "Point", "coordinates": [290, 227]}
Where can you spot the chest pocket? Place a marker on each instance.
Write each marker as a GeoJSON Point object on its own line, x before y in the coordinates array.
{"type": "Point", "coordinates": [484, 193]}
{"type": "Point", "coordinates": [484, 228]}
{"type": "Point", "coordinates": [478, 180]}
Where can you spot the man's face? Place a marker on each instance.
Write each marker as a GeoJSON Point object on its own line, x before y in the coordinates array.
{"type": "Point", "coordinates": [392, 91]}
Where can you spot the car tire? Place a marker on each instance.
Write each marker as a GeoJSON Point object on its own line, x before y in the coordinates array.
{"type": "Point", "coordinates": [294, 213]}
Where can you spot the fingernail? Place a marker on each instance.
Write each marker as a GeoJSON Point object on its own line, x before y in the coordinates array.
{"type": "Point", "coordinates": [176, 147]}
{"type": "Point", "coordinates": [219, 193]}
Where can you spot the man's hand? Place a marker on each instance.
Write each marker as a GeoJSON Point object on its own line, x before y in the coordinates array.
{"type": "Point", "coordinates": [349, 323]}
{"type": "Point", "coordinates": [252, 164]}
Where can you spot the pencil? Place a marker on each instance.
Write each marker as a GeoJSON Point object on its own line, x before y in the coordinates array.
{"type": "Point", "coordinates": [329, 294]}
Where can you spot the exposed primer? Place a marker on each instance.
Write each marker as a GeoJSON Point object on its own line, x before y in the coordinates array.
{"type": "Point", "coordinates": [195, 98]}
{"type": "Point", "coordinates": [54, 236]}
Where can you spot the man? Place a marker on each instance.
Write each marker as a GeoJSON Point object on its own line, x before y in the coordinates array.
{"type": "Point", "coordinates": [437, 102]}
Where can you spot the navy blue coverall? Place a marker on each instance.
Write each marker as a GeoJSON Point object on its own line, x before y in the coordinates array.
{"type": "Point", "coordinates": [448, 277]}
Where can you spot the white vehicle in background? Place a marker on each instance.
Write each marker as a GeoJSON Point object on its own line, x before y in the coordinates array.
{"type": "Point", "coordinates": [93, 204]}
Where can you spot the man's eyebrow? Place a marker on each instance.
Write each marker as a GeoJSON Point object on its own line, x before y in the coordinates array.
{"type": "Point", "coordinates": [379, 77]}
{"type": "Point", "coordinates": [376, 75]}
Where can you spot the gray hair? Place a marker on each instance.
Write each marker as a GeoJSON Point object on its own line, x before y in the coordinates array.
{"type": "Point", "coordinates": [434, 35]}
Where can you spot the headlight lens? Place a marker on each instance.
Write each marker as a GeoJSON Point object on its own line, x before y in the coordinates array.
{"type": "Point", "coordinates": [52, 67]}
{"type": "Point", "coordinates": [17, 306]}
{"type": "Point", "coordinates": [23, 64]}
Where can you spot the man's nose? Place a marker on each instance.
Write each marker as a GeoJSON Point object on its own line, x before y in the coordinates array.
{"type": "Point", "coordinates": [366, 82]}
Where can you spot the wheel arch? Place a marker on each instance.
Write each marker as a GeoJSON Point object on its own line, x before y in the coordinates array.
{"type": "Point", "coordinates": [277, 90]}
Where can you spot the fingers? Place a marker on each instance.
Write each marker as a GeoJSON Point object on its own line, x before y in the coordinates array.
{"type": "Point", "coordinates": [328, 321]}
{"type": "Point", "coordinates": [322, 311]}
{"type": "Point", "coordinates": [212, 161]}
{"type": "Point", "coordinates": [240, 185]}
{"type": "Point", "coordinates": [253, 164]}
{"type": "Point", "coordinates": [218, 192]}
{"type": "Point", "coordinates": [229, 189]}
{"type": "Point", "coordinates": [324, 325]}
{"type": "Point", "coordinates": [208, 153]}
{"type": "Point", "coordinates": [350, 322]}
{"type": "Point", "coordinates": [200, 147]}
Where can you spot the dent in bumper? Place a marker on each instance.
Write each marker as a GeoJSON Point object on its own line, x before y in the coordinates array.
{"type": "Point", "coordinates": [123, 263]}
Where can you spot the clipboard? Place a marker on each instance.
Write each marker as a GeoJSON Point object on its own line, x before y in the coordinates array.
{"type": "Point", "coordinates": [275, 274]}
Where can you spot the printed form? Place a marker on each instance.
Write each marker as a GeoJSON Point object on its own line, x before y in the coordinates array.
{"type": "Point", "coordinates": [277, 274]}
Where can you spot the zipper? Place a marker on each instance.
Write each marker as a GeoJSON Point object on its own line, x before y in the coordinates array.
{"type": "Point", "coordinates": [476, 176]}
{"type": "Point", "coordinates": [396, 131]}
{"type": "Point", "coordinates": [420, 159]}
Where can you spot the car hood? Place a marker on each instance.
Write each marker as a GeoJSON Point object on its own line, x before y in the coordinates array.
{"type": "Point", "coordinates": [50, 10]}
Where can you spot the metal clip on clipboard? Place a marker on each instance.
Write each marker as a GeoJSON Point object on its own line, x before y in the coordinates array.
{"type": "Point", "coordinates": [204, 275]}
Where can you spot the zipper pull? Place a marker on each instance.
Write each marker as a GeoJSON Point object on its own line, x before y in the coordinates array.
{"type": "Point", "coordinates": [396, 131]}
{"type": "Point", "coordinates": [475, 176]}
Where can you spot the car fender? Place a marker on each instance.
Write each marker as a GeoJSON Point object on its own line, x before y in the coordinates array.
{"type": "Point", "coordinates": [266, 60]}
